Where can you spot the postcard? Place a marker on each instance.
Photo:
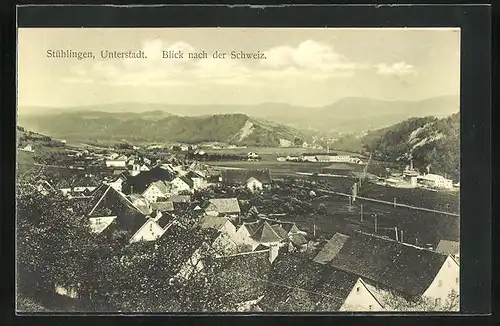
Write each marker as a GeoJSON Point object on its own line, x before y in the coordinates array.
{"type": "Point", "coordinates": [237, 170]}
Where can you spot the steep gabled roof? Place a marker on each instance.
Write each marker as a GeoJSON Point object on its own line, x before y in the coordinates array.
{"type": "Point", "coordinates": [226, 205]}
{"type": "Point", "coordinates": [280, 231]}
{"type": "Point", "coordinates": [141, 181]}
{"type": "Point", "coordinates": [401, 267]}
{"type": "Point", "coordinates": [107, 201]}
{"type": "Point", "coordinates": [266, 234]}
{"type": "Point", "coordinates": [187, 181]}
{"type": "Point", "coordinates": [331, 248]}
{"type": "Point", "coordinates": [193, 174]}
{"type": "Point", "coordinates": [160, 185]}
{"type": "Point", "coordinates": [299, 284]}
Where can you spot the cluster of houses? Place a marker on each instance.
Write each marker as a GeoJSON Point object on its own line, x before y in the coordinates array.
{"type": "Point", "coordinates": [266, 261]}
{"type": "Point", "coordinates": [411, 178]}
{"type": "Point", "coordinates": [321, 158]}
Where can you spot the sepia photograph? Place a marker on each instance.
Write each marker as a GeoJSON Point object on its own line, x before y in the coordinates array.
{"type": "Point", "coordinates": [238, 170]}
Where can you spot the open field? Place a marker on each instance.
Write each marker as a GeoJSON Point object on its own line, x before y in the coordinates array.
{"type": "Point", "coordinates": [270, 153]}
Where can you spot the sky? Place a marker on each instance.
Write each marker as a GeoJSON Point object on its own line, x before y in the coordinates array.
{"type": "Point", "coordinates": [306, 67]}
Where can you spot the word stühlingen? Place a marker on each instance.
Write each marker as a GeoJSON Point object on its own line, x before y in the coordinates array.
{"type": "Point", "coordinates": [248, 55]}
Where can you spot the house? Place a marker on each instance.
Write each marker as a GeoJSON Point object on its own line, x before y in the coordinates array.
{"type": "Point", "coordinates": [157, 189]}
{"type": "Point", "coordinates": [100, 223]}
{"type": "Point", "coordinates": [223, 206]}
{"type": "Point", "coordinates": [182, 183]}
{"type": "Point", "coordinates": [323, 158]}
{"type": "Point", "coordinates": [257, 233]}
{"type": "Point", "coordinates": [292, 158]}
{"type": "Point", "coordinates": [297, 284]}
{"type": "Point", "coordinates": [435, 181]}
{"type": "Point", "coordinates": [143, 168]}
{"type": "Point", "coordinates": [297, 243]}
{"type": "Point", "coordinates": [146, 161]}
{"type": "Point", "coordinates": [254, 185]}
{"type": "Point", "coordinates": [149, 231]}
{"type": "Point", "coordinates": [198, 179]}
{"type": "Point", "coordinates": [219, 223]}
{"type": "Point", "coordinates": [185, 148]}
{"type": "Point", "coordinates": [331, 248]}
{"type": "Point", "coordinates": [140, 182]}
{"type": "Point", "coordinates": [281, 158]}
{"type": "Point", "coordinates": [252, 156]}
{"type": "Point", "coordinates": [180, 199]}
{"type": "Point", "coordinates": [409, 270]}
{"type": "Point", "coordinates": [116, 163]}
{"type": "Point", "coordinates": [107, 202]}
{"type": "Point", "coordinates": [117, 182]}
{"type": "Point", "coordinates": [141, 203]}
{"type": "Point", "coordinates": [449, 247]}
{"type": "Point", "coordinates": [44, 187]}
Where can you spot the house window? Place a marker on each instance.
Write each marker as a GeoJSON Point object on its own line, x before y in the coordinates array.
{"type": "Point", "coordinates": [438, 301]}
{"type": "Point", "coordinates": [456, 280]}
{"type": "Point", "coordinates": [357, 289]}
{"type": "Point", "coordinates": [370, 307]}
{"type": "Point", "coordinates": [440, 283]}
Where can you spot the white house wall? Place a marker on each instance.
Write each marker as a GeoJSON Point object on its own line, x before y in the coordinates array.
{"type": "Point", "coordinates": [360, 299]}
{"type": "Point", "coordinates": [150, 231]}
{"type": "Point", "coordinates": [447, 279]}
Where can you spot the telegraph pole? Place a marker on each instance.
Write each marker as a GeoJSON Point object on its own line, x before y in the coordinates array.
{"type": "Point", "coordinates": [375, 223]}
{"type": "Point", "coordinates": [394, 201]}
{"type": "Point", "coordinates": [361, 215]}
{"type": "Point", "coordinates": [401, 239]}
{"type": "Point", "coordinates": [396, 232]}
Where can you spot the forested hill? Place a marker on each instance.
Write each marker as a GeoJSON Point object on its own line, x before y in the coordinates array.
{"type": "Point", "coordinates": [232, 128]}
{"type": "Point", "coordinates": [431, 142]}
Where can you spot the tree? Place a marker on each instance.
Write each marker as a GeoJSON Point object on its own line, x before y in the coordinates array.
{"type": "Point", "coordinates": [393, 302]}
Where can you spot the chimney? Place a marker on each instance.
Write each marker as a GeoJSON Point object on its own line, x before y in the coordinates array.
{"type": "Point", "coordinates": [273, 252]}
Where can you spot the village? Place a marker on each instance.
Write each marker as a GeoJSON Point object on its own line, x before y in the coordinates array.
{"type": "Point", "coordinates": [161, 200]}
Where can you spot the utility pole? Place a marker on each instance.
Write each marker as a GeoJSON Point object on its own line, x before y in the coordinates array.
{"type": "Point", "coordinates": [401, 239]}
{"type": "Point", "coordinates": [131, 190]}
{"type": "Point", "coordinates": [361, 213]}
{"type": "Point", "coordinates": [375, 223]}
{"type": "Point", "coordinates": [350, 203]}
{"type": "Point", "coordinates": [314, 229]}
{"type": "Point", "coordinates": [396, 232]}
{"type": "Point", "coordinates": [394, 201]}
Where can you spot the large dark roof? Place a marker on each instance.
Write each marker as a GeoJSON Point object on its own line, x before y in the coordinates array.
{"type": "Point", "coordinates": [107, 201]}
{"type": "Point", "coordinates": [187, 181]}
{"type": "Point", "coordinates": [398, 266]}
{"type": "Point", "coordinates": [165, 220]}
{"type": "Point", "coordinates": [331, 248]}
{"type": "Point", "coordinates": [241, 176]}
{"type": "Point", "coordinates": [141, 181]}
{"type": "Point", "coordinates": [299, 284]}
{"type": "Point", "coordinates": [242, 277]}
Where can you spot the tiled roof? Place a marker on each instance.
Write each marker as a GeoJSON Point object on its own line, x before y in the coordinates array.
{"type": "Point", "coordinates": [331, 248]}
{"type": "Point", "coordinates": [162, 186]}
{"type": "Point", "coordinates": [266, 234]}
{"type": "Point", "coordinates": [180, 199]}
{"type": "Point", "coordinates": [187, 181]}
{"type": "Point", "coordinates": [214, 222]}
{"type": "Point", "coordinates": [107, 201]}
{"type": "Point", "coordinates": [448, 247]}
{"type": "Point", "coordinates": [298, 239]}
{"type": "Point", "coordinates": [163, 206]}
{"type": "Point", "coordinates": [226, 205]}
{"type": "Point", "coordinates": [280, 231]}
{"type": "Point", "coordinates": [141, 181]}
{"type": "Point", "coordinates": [401, 267]}
{"type": "Point", "coordinates": [298, 284]}
{"type": "Point", "coordinates": [165, 220]}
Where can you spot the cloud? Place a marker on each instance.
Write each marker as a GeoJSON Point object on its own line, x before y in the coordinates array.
{"type": "Point", "coordinates": [310, 61]}
{"type": "Point", "coordinates": [399, 68]}
{"type": "Point", "coordinates": [310, 56]}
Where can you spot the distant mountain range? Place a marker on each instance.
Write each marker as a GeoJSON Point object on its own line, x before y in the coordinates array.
{"type": "Point", "coordinates": [152, 126]}
{"type": "Point", "coordinates": [353, 114]}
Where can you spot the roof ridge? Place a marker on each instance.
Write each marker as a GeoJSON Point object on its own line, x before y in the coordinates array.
{"type": "Point", "coordinates": [100, 199]}
{"type": "Point", "coordinates": [369, 291]}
